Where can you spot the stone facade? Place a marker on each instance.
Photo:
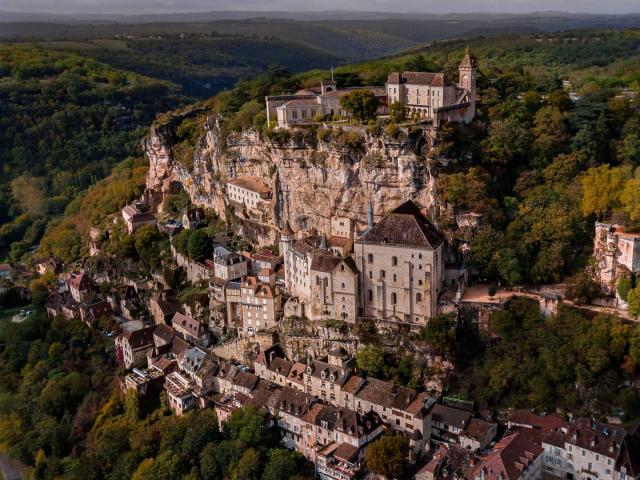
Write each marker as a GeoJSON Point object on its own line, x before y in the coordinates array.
{"type": "Point", "coordinates": [401, 264]}
{"type": "Point", "coordinates": [616, 252]}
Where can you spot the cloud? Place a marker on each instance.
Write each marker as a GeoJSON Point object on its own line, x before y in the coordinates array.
{"type": "Point", "coordinates": [407, 6]}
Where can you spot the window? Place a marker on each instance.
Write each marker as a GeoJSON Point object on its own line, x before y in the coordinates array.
{"type": "Point", "coordinates": [393, 298]}
{"type": "Point", "coordinates": [370, 258]}
{"type": "Point", "coordinates": [394, 261]}
{"type": "Point", "coordinates": [395, 277]}
{"type": "Point", "coordinates": [418, 297]}
{"type": "Point", "coordinates": [382, 274]}
{"type": "Point", "coordinates": [342, 285]}
{"type": "Point", "coordinates": [370, 295]}
{"type": "Point", "coordinates": [370, 273]}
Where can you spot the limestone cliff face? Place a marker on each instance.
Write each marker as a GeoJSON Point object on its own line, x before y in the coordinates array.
{"type": "Point", "coordinates": [310, 183]}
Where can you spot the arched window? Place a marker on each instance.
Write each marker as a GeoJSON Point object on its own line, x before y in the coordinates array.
{"type": "Point", "coordinates": [342, 285]}
{"type": "Point", "coordinates": [370, 258]}
{"type": "Point", "coordinates": [393, 298]}
{"type": "Point", "coordinates": [418, 297]}
{"type": "Point", "coordinates": [394, 261]}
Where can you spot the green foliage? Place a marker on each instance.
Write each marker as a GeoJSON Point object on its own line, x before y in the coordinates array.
{"type": "Point", "coordinates": [387, 456]}
{"type": "Point", "coordinates": [67, 120]}
{"type": "Point", "coordinates": [397, 112]}
{"type": "Point", "coordinates": [568, 361]}
{"type": "Point", "coordinates": [371, 359]}
{"type": "Point", "coordinates": [361, 104]}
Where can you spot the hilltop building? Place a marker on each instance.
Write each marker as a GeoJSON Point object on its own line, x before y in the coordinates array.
{"type": "Point", "coordinates": [617, 253]}
{"type": "Point", "coordinates": [426, 95]}
{"type": "Point", "coordinates": [433, 96]}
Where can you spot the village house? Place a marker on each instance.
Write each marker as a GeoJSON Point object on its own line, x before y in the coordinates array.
{"type": "Point", "coordinates": [81, 286]}
{"type": "Point", "coordinates": [271, 365]}
{"type": "Point", "coordinates": [135, 217]}
{"type": "Point", "coordinates": [248, 191]}
{"type": "Point", "coordinates": [191, 330]}
{"type": "Point", "coordinates": [448, 462]}
{"type": "Point", "coordinates": [401, 264]}
{"type": "Point", "coordinates": [477, 435]}
{"type": "Point", "coordinates": [261, 304]}
{"type": "Point", "coordinates": [162, 307]}
{"type": "Point", "coordinates": [403, 409]}
{"type": "Point", "coordinates": [448, 423]}
{"type": "Point", "coordinates": [433, 96]}
{"type": "Point", "coordinates": [194, 218]}
{"type": "Point", "coordinates": [512, 458]}
{"type": "Point", "coordinates": [586, 450]}
{"type": "Point", "coordinates": [132, 347]}
{"type": "Point", "coordinates": [141, 381]}
{"type": "Point", "coordinates": [228, 265]}
{"type": "Point", "coordinates": [51, 264]}
{"type": "Point", "coordinates": [325, 378]}
{"type": "Point", "coordinates": [289, 407]}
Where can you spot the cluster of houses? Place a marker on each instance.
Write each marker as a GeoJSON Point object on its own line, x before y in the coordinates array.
{"type": "Point", "coordinates": [428, 96]}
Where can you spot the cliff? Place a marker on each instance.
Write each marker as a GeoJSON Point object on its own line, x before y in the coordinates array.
{"type": "Point", "coordinates": [311, 180]}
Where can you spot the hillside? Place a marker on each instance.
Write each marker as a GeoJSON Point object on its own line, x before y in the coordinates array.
{"type": "Point", "coordinates": [65, 121]}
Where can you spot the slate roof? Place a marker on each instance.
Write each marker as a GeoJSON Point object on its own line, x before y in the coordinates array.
{"type": "Point", "coordinates": [450, 416]}
{"type": "Point", "coordinates": [139, 338]}
{"type": "Point", "coordinates": [317, 367]}
{"type": "Point", "coordinates": [188, 324]}
{"type": "Point", "coordinates": [418, 78]}
{"type": "Point", "coordinates": [246, 380]}
{"type": "Point", "coordinates": [405, 225]}
{"type": "Point", "coordinates": [165, 332]}
{"type": "Point", "coordinates": [596, 437]}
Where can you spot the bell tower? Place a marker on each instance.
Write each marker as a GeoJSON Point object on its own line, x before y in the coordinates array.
{"type": "Point", "coordinates": [468, 72]}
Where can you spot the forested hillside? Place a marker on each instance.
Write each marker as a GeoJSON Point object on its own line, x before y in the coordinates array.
{"type": "Point", "coordinates": [65, 121]}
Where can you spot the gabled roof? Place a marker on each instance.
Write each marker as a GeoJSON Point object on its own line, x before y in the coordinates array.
{"type": "Point", "coordinates": [450, 416]}
{"type": "Point", "coordinates": [507, 460]}
{"type": "Point", "coordinates": [188, 324]}
{"type": "Point", "coordinates": [250, 183]}
{"type": "Point", "coordinates": [139, 338]}
{"type": "Point", "coordinates": [405, 225]}
{"type": "Point", "coordinates": [418, 78]}
{"type": "Point", "coordinates": [546, 423]}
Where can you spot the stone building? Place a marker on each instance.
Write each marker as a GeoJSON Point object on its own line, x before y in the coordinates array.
{"type": "Point", "coordinates": [191, 330]}
{"type": "Point", "coordinates": [617, 253]}
{"type": "Point", "coordinates": [248, 191]}
{"type": "Point", "coordinates": [587, 449]}
{"type": "Point", "coordinates": [135, 216]}
{"type": "Point", "coordinates": [305, 105]}
{"type": "Point", "coordinates": [433, 96]}
{"type": "Point", "coordinates": [228, 265]}
{"type": "Point", "coordinates": [261, 304]}
{"type": "Point", "coordinates": [334, 288]}
{"type": "Point", "coordinates": [401, 264]}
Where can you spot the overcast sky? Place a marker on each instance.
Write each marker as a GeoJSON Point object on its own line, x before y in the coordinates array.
{"type": "Point", "coordinates": [424, 6]}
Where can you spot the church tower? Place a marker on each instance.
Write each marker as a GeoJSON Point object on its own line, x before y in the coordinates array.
{"type": "Point", "coordinates": [468, 73]}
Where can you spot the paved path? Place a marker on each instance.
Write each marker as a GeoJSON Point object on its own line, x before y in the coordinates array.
{"type": "Point", "coordinates": [11, 469]}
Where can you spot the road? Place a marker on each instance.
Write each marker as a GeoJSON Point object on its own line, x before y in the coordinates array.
{"type": "Point", "coordinates": [11, 470]}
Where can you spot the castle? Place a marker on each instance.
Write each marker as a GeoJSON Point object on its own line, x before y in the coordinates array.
{"type": "Point", "coordinates": [427, 96]}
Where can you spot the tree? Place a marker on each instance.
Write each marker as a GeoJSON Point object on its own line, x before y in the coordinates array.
{"type": "Point", "coordinates": [602, 187]}
{"type": "Point", "coordinates": [248, 467]}
{"type": "Point", "coordinates": [582, 289]}
{"type": "Point", "coordinates": [440, 333]}
{"type": "Point", "coordinates": [388, 456]}
{"type": "Point", "coordinates": [371, 360]}
{"type": "Point", "coordinates": [630, 198]}
{"type": "Point", "coordinates": [362, 104]}
{"type": "Point", "coordinates": [397, 112]}
{"type": "Point", "coordinates": [633, 302]}
{"type": "Point", "coordinates": [199, 245]}
{"type": "Point", "coordinates": [29, 193]}
{"type": "Point", "coordinates": [284, 463]}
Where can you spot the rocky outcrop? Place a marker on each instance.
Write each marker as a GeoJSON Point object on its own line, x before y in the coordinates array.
{"type": "Point", "coordinates": [310, 183]}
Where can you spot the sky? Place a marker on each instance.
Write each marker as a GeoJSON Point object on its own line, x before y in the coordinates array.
{"type": "Point", "coordinates": [422, 6]}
